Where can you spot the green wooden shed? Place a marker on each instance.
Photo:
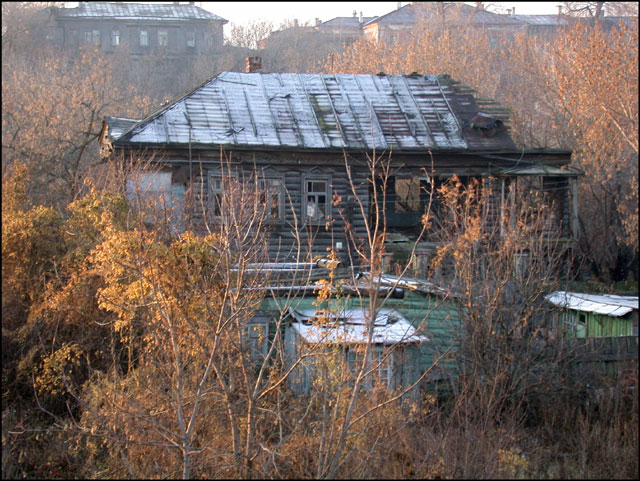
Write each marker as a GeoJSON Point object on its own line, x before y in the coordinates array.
{"type": "Point", "coordinates": [596, 315]}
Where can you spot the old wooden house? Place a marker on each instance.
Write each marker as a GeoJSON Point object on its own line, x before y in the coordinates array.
{"type": "Point", "coordinates": [308, 139]}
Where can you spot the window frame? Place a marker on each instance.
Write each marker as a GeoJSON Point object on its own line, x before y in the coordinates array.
{"type": "Point", "coordinates": [266, 178]}
{"type": "Point", "coordinates": [115, 38]}
{"type": "Point", "coordinates": [191, 39]}
{"type": "Point", "coordinates": [257, 346]}
{"type": "Point", "coordinates": [143, 37]}
{"type": "Point", "coordinates": [163, 36]}
{"type": "Point", "coordinates": [316, 220]}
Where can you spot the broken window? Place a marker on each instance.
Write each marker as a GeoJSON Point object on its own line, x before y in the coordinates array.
{"type": "Point", "coordinates": [155, 196]}
{"type": "Point", "coordinates": [317, 200]}
{"type": "Point", "coordinates": [407, 195]}
{"type": "Point", "coordinates": [191, 39]}
{"type": "Point", "coordinates": [216, 192]}
{"type": "Point", "coordinates": [144, 38]}
{"type": "Point", "coordinates": [272, 196]}
{"type": "Point", "coordinates": [115, 38]}
{"type": "Point", "coordinates": [163, 38]}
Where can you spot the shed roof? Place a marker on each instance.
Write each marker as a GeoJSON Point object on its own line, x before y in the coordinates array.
{"type": "Point", "coordinates": [138, 11]}
{"type": "Point", "coordinates": [350, 327]}
{"type": "Point", "coordinates": [607, 304]}
{"type": "Point", "coordinates": [319, 112]}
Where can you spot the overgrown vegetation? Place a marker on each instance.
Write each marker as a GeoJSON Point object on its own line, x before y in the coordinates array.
{"type": "Point", "coordinates": [122, 344]}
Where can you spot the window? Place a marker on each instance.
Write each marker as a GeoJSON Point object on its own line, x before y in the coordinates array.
{"type": "Point", "coordinates": [407, 195]}
{"type": "Point", "coordinates": [163, 38]}
{"type": "Point", "coordinates": [272, 196]}
{"type": "Point", "coordinates": [316, 200]}
{"type": "Point", "coordinates": [215, 194]}
{"type": "Point", "coordinates": [153, 194]}
{"type": "Point", "coordinates": [144, 38]}
{"type": "Point", "coordinates": [255, 337]}
{"type": "Point", "coordinates": [115, 38]}
{"type": "Point", "coordinates": [88, 37]}
{"type": "Point", "coordinates": [96, 37]}
{"type": "Point", "coordinates": [381, 364]}
{"type": "Point", "coordinates": [191, 39]}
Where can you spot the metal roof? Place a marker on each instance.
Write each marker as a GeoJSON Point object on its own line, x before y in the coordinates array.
{"type": "Point", "coordinates": [138, 11]}
{"type": "Point", "coordinates": [542, 20]}
{"type": "Point", "coordinates": [607, 304]}
{"type": "Point", "coordinates": [456, 13]}
{"type": "Point", "coordinates": [118, 126]}
{"type": "Point", "coordinates": [350, 327]}
{"type": "Point", "coordinates": [319, 111]}
{"type": "Point", "coordinates": [346, 21]}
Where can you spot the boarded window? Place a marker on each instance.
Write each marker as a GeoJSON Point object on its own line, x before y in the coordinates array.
{"type": "Point", "coordinates": [191, 39]}
{"type": "Point", "coordinates": [163, 38]}
{"type": "Point", "coordinates": [407, 195]}
{"type": "Point", "coordinates": [115, 38]}
{"type": "Point", "coordinates": [144, 38]}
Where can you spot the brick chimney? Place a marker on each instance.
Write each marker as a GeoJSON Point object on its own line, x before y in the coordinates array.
{"type": "Point", "coordinates": [254, 64]}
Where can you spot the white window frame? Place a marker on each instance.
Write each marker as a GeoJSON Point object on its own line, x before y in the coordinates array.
{"type": "Point", "coordinates": [311, 212]}
{"type": "Point", "coordinates": [191, 39]}
{"type": "Point", "coordinates": [163, 38]}
{"type": "Point", "coordinates": [144, 38]}
{"type": "Point", "coordinates": [115, 38]}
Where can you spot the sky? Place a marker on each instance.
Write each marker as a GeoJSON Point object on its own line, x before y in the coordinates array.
{"type": "Point", "coordinates": [242, 13]}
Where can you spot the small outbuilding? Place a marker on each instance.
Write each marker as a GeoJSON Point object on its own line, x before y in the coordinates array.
{"type": "Point", "coordinates": [596, 315]}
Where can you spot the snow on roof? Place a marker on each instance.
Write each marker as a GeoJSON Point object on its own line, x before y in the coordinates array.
{"type": "Point", "coordinates": [350, 327]}
{"type": "Point", "coordinates": [317, 111]}
{"type": "Point", "coordinates": [607, 304]}
{"type": "Point", "coordinates": [138, 11]}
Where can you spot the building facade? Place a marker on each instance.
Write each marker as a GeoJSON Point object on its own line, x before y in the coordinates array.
{"type": "Point", "coordinates": [175, 29]}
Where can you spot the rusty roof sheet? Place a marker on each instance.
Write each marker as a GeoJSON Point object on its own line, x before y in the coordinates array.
{"type": "Point", "coordinates": [138, 11]}
{"type": "Point", "coordinates": [318, 112]}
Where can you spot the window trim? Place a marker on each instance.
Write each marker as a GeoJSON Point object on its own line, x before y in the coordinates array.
{"type": "Point", "coordinates": [266, 178]}
{"type": "Point", "coordinates": [144, 34]}
{"type": "Point", "coordinates": [191, 39]}
{"type": "Point", "coordinates": [163, 34]}
{"type": "Point", "coordinates": [115, 38]}
{"type": "Point", "coordinates": [328, 192]}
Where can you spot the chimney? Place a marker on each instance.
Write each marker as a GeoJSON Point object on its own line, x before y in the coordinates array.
{"type": "Point", "coordinates": [559, 9]}
{"type": "Point", "coordinates": [355, 13]}
{"type": "Point", "coordinates": [254, 64]}
{"type": "Point", "coordinates": [509, 11]}
{"type": "Point", "coordinates": [360, 19]}
{"type": "Point", "coordinates": [399, 5]}
{"type": "Point", "coordinates": [318, 22]}
{"type": "Point", "coordinates": [513, 11]}
{"type": "Point", "coordinates": [295, 22]}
